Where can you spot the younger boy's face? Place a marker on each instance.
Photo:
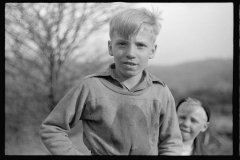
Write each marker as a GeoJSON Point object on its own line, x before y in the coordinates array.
{"type": "Point", "coordinates": [131, 55]}
{"type": "Point", "coordinates": [192, 120]}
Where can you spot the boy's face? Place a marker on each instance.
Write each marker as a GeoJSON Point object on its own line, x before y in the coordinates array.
{"type": "Point", "coordinates": [192, 120]}
{"type": "Point", "coordinates": [131, 55]}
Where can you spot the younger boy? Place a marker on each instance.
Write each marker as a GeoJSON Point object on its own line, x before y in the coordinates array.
{"type": "Point", "coordinates": [193, 117]}
{"type": "Point", "coordinates": [124, 110]}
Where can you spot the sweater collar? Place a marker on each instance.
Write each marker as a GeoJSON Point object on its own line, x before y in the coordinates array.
{"type": "Point", "coordinates": [147, 80]}
{"type": "Point", "coordinates": [147, 77]}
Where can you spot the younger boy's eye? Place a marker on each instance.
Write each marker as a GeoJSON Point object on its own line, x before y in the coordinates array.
{"type": "Point", "coordinates": [181, 117]}
{"type": "Point", "coordinates": [194, 121]}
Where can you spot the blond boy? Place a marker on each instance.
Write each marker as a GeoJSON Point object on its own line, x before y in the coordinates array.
{"type": "Point", "coordinates": [124, 110]}
{"type": "Point", "coordinates": [194, 118]}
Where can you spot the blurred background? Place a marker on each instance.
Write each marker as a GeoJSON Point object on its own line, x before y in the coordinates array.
{"type": "Point", "coordinates": [49, 47]}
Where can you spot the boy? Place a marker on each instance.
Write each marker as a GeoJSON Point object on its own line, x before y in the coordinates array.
{"type": "Point", "coordinates": [194, 119]}
{"type": "Point", "coordinates": [124, 110]}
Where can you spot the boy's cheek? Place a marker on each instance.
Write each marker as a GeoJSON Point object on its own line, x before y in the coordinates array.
{"type": "Point", "coordinates": [117, 52]}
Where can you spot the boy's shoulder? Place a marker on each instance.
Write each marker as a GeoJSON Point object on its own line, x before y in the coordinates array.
{"type": "Point", "coordinates": [93, 77]}
{"type": "Point", "coordinates": [156, 80]}
{"type": "Point", "coordinates": [96, 75]}
{"type": "Point", "coordinates": [162, 86]}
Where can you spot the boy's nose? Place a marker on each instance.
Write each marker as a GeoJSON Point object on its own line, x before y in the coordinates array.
{"type": "Point", "coordinates": [186, 123]}
{"type": "Point", "coordinates": [131, 52]}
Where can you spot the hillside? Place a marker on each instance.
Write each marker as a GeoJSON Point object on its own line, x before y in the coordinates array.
{"type": "Point", "coordinates": [195, 74]}
{"type": "Point", "coordinates": [209, 79]}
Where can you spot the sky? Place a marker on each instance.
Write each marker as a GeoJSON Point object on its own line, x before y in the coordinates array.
{"type": "Point", "coordinates": [192, 31]}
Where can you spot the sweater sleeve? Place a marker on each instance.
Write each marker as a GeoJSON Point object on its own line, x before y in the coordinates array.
{"type": "Point", "coordinates": [170, 139]}
{"type": "Point", "coordinates": [54, 130]}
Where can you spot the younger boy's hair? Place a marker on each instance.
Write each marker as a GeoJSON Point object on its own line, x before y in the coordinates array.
{"type": "Point", "coordinates": [198, 101]}
{"type": "Point", "coordinates": [127, 23]}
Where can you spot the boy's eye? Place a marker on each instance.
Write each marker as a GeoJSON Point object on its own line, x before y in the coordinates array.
{"type": "Point", "coordinates": [194, 121]}
{"type": "Point", "coordinates": [181, 117]}
{"type": "Point", "coordinates": [140, 45]}
{"type": "Point", "coordinates": [121, 43]}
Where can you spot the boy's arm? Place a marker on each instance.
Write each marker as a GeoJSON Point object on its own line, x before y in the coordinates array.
{"type": "Point", "coordinates": [54, 130]}
{"type": "Point", "coordinates": [170, 139]}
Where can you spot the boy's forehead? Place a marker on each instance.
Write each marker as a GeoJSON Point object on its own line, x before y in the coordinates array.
{"type": "Point", "coordinates": [142, 35]}
{"type": "Point", "coordinates": [188, 108]}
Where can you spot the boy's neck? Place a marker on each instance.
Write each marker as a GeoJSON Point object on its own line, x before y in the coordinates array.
{"type": "Point", "coordinates": [130, 82]}
{"type": "Point", "coordinates": [133, 81]}
{"type": "Point", "coordinates": [187, 144]}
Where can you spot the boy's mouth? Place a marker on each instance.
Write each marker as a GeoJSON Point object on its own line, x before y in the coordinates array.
{"type": "Point", "coordinates": [184, 130]}
{"type": "Point", "coordinates": [129, 63]}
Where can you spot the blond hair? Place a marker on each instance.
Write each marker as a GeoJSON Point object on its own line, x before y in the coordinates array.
{"type": "Point", "coordinates": [192, 101]}
{"type": "Point", "coordinates": [128, 23]}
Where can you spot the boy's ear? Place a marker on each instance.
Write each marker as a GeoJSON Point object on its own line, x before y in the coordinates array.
{"type": "Point", "coordinates": [153, 51]}
{"type": "Point", "coordinates": [110, 48]}
{"type": "Point", "coordinates": [206, 125]}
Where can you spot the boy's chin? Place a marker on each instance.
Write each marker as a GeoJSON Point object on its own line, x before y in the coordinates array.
{"type": "Point", "coordinates": [186, 137]}
{"type": "Point", "coordinates": [131, 74]}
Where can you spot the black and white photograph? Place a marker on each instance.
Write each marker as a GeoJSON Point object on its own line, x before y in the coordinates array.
{"type": "Point", "coordinates": [119, 78]}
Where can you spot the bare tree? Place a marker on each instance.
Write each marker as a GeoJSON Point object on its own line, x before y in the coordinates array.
{"type": "Point", "coordinates": [40, 38]}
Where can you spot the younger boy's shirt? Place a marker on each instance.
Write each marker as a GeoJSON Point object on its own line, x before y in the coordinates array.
{"type": "Point", "coordinates": [187, 151]}
{"type": "Point", "coordinates": [116, 121]}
